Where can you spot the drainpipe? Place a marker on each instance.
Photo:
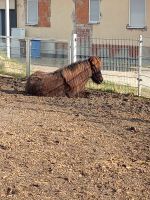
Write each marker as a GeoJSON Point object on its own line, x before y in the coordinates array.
{"type": "Point", "coordinates": [7, 29]}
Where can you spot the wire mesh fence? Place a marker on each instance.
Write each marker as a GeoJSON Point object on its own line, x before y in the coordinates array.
{"type": "Point", "coordinates": [117, 54]}
{"type": "Point", "coordinates": [120, 61]}
{"type": "Point", "coordinates": [29, 55]}
{"type": "Point", "coordinates": [121, 58]}
{"type": "Point", "coordinates": [48, 55]}
{"type": "Point", "coordinates": [12, 63]}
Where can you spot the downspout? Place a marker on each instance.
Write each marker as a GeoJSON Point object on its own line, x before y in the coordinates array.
{"type": "Point", "coordinates": [7, 28]}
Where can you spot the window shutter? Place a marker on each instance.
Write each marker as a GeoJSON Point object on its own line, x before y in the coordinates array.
{"type": "Point", "coordinates": [137, 13]}
{"type": "Point", "coordinates": [32, 12]}
{"type": "Point", "coordinates": [94, 11]}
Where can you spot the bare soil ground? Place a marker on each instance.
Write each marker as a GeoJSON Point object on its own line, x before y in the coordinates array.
{"type": "Point", "coordinates": [95, 147]}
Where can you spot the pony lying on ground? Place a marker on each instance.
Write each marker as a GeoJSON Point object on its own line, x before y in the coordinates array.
{"type": "Point", "coordinates": [68, 81]}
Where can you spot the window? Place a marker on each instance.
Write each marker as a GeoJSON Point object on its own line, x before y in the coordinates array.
{"type": "Point", "coordinates": [94, 11]}
{"type": "Point", "coordinates": [13, 20]}
{"type": "Point", "coordinates": [137, 14]}
{"type": "Point", "coordinates": [32, 12]}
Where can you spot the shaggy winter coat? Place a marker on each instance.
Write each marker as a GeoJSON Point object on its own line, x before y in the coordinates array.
{"type": "Point", "coordinates": [67, 81]}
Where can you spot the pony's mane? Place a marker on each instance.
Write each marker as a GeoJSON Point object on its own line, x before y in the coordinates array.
{"type": "Point", "coordinates": [73, 66]}
{"type": "Point", "coordinates": [76, 64]}
{"type": "Point", "coordinates": [77, 74]}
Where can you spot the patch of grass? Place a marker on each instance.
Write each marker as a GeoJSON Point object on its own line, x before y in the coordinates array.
{"type": "Point", "coordinates": [111, 87]}
{"type": "Point", "coordinates": [145, 92]}
{"type": "Point", "coordinates": [15, 75]}
{"type": "Point", "coordinates": [1, 66]}
{"type": "Point", "coordinates": [11, 67]}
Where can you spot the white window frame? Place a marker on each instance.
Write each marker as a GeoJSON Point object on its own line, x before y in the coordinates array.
{"type": "Point", "coordinates": [90, 21]}
{"type": "Point", "coordinates": [27, 17]}
{"type": "Point", "coordinates": [132, 26]}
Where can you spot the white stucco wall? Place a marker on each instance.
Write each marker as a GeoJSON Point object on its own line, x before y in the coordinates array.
{"type": "Point", "coordinates": [3, 3]}
{"type": "Point", "coordinates": [114, 19]}
{"type": "Point", "coordinates": [61, 21]}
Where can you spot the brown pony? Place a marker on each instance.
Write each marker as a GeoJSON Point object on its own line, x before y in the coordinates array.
{"type": "Point", "coordinates": [67, 81]}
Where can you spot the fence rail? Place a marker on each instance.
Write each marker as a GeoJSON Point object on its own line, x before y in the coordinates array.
{"type": "Point", "coordinates": [126, 62]}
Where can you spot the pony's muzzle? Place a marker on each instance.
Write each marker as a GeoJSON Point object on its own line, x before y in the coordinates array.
{"type": "Point", "coordinates": [97, 77]}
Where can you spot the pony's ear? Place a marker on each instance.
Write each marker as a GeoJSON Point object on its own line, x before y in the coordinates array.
{"type": "Point", "coordinates": [95, 63]}
{"type": "Point", "coordinates": [95, 60]}
{"type": "Point", "coordinates": [92, 60]}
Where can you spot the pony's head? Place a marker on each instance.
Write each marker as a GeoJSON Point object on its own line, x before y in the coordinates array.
{"type": "Point", "coordinates": [96, 65]}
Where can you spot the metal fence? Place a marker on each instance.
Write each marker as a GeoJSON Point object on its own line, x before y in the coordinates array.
{"type": "Point", "coordinates": [48, 55]}
{"type": "Point", "coordinates": [25, 56]}
{"type": "Point", "coordinates": [126, 62]}
{"type": "Point", "coordinates": [11, 60]}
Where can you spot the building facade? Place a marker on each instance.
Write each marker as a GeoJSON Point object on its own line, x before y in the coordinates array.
{"type": "Point", "coordinates": [59, 18]}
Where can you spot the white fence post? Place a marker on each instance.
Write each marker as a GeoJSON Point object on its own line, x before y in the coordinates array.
{"type": "Point", "coordinates": [28, 57]}
{"type": "Point", "coordinates": [140, 65]}
{"type": "Point", "coordinates": [74, 47]}
{"type": "Point", "coordinates": [7, 29]}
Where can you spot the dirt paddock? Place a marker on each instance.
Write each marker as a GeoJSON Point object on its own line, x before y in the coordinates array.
{"type": "Point", "coordinates": [94, 147]}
